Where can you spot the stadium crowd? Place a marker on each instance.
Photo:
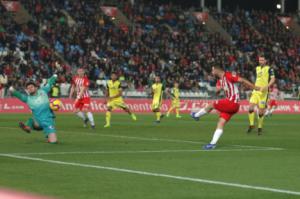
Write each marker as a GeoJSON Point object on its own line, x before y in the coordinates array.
{"type": "Point", "coordinates": [163, 39]}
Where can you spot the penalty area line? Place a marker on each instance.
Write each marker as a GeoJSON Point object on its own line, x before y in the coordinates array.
{"type": "Point", "coordinates": [162, 175]}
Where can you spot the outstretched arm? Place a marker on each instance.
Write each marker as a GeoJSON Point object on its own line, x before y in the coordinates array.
{"type": "Point", "coordinates": [18, 94]}
{"type": "Point", "coordinates": [50, 83]}
{"type": "Point", "coordinates": [248, 84]}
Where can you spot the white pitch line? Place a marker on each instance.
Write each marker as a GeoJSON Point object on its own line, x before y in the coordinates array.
{"type": "Point", "coordinates": [142, 151]}
{"type": "Point", "coordinates": [145, 173]}
{"type": "Point", "coordinates": [156, 139]}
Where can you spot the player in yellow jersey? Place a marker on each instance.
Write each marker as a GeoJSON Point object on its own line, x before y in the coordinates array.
{"type": "Point", "coordinates": [174, 94]}
{"type": "Point", "coordinates": [264, 78]}
{"type": "Point", "coordinates": [157, 92]}
{"type": "Point", "coordinates": [114, 99]}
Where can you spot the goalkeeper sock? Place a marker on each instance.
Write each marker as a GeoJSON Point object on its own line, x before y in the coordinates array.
{"type": "Point", "coordinates": [81, 115]}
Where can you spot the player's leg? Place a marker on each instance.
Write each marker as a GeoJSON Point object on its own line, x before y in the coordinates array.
{"type": "Point", "coordinates": [172, 107]}
{"type": "Point", "coordinates": [108, 116]}
{"type": "Point", "coordinates": [156, 104]}
{"type": "Point", "coordinates": [127, 110]}
{"type": "Point", "coordinates": [177, 109]}
{"type": "Point", "coordinates": [227, 109]}
{"type": "Point", "coordinates": [268, 111]}
{"type": "Point", "coordinates": [217, 134]}
{"type": "Point", "coordinates": [78, 106]}
{"type": "Point", "coordinates": [273, 108]}
{"type": "Point", "coordinates": [27, 126]}
{"type": "Point", "coordinates": [262, 109]}
{"type": "Point", "coordinates": [203, 111]}
{"type": "Point", "coordinates": [89, 114]}
{"type": "Point", "coordinates": [49, 130]}
{"type": "Point", "coordinates": [260, 120]}
{"type": "Point", "coordinates": [251, 116]}
{"type": "Point", "coordinates": [176, 106]}
{"type": "Point", "coordinates": [254, 101]}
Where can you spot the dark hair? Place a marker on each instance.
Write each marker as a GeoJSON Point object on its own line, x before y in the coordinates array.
{"type": "Point", "coordinates": [218, 68]}
{"type": "Point", "coordinates": [31, 83]}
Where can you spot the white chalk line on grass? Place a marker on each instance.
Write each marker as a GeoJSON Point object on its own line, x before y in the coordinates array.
{"type": "Point", "coordinates": [145, 173]}
{"type": "Point", "coordinates": [138, 151]}
{"type": "Point", "coordinates": [156, 139]}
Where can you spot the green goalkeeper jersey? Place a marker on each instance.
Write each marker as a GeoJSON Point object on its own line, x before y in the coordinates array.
{"type": "Point", "coordinates": [39, 103]}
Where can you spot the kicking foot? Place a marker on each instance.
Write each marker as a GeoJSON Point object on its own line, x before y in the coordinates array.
{"type": "Point", "coordinates": [193, 115]}
{"type": "Point", "coordinates": [24, 127]}
{"type": "Point", "coordinates": [93, 127]}
{"type": "Point", "coordinates": [209, 146]}
{"type": "Point", "coordinates": [178, 116]}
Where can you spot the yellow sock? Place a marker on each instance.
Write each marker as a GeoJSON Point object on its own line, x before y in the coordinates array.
{"type": "Point", "coordinates": [157, 116]}
{"type": "Point", "coordinates": [260, 121]}
{"type": "Point", "coordinates": [251, 118]}
{"type": "Point", "coordinates": [177, 111]}
{"type": "Point", "coordinates": [108, 116]}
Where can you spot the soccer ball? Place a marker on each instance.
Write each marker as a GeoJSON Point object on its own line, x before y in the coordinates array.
{"type": "Point", "coordinates": [55, 104]}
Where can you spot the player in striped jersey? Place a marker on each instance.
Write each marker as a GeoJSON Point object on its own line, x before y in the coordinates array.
{"type": "Point", "coordinates": [80, 86]}
{"type": "Point", "coordinates": [227, 106]}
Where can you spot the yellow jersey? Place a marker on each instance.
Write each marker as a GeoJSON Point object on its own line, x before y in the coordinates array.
{"type": "Point", "coordinates": [263, 75]}
{"type": "Point", "coordinates": [157, 89]}
{"type": "Point", "coordinates": [175, 93]}
{"type": "Point", "coordinates": [114, 88]}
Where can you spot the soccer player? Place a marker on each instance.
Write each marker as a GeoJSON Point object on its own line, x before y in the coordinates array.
{"type": "Point", "coordinates": [114, 99]}
{"type": "Point", "coordinates": [38, 102]}
{"type": "Point", "coordinates": [264, 78]}
{"type": "Point", "coordinates": [80, 86]}
{"type": "Point", "coordinates": [175, 100]}
{"type": "Point", "coordinates": [228, 106]}
{"type": "Point", "coordinates": [272, 104]}
{"type": "Point", "coordinates": [157, 92]}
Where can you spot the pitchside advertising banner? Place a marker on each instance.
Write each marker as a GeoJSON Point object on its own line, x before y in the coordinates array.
{"type": "Point", "coordinates": [13, 105]}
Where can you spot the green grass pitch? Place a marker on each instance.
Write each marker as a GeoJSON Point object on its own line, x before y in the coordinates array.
{"type": "Point", "coordinates": [144, 160]}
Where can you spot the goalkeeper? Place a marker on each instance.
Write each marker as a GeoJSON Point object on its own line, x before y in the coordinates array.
{"type": "Point", "coordinates": [38, 102]}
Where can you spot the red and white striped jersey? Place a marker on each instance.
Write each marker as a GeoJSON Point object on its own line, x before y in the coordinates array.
{"type": "Point", "coordinates": [229, 84]}
{"type": "Point", "coordinates": [80, 82]}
